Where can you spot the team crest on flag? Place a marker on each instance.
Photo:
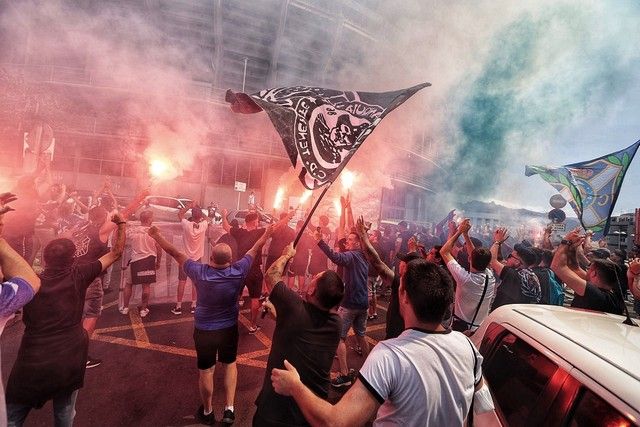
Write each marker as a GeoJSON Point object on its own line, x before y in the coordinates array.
{"type": "Point", "coordinates": [591, 187]}
{"type": "Point", "coordinates": [321, 128]}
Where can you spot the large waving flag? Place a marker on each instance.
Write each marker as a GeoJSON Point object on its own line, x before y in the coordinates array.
{"type": "Point", "coordinates": [591, 187]}
{"type": "Point", "coordinates": [321, 128]}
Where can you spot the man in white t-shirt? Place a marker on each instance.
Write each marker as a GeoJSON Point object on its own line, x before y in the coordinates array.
{"type": "Point", "coordinates": [426, 376]}
{"type": "Point", "coordinates": [143, 263]}
{"type": "Point", "coordinates": [194, 232]}
{"type": "Point", "coordinates": [475, 289]}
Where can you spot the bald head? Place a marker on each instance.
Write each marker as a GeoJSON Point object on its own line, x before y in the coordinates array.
{"type": "Point", "coordinates": [221, 255]}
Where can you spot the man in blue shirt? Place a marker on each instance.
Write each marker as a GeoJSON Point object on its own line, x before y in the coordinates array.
{"type": "Point", "coordinates": [218, 286]}
{"type": "Point", "coordinates": [355, 304]}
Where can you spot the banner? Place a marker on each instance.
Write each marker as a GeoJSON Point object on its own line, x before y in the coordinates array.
{"type": "Point", "coordinates": [321, 128]}
{"type": "Point", "coordinates": [591, 187]}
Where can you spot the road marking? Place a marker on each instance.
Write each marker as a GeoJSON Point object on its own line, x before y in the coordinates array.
{"type": "Point", "coordinates": [138, 330]}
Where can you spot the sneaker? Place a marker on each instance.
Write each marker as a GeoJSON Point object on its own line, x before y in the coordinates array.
{"type": "Point", "coordinates": [341, 381]}
{"type": "Point", "coordinates": [205, 419]}
{"type": "Point", "coordinates": [143, 312]}
{"type": "Point", "coordinates": [193, 310]}
{"type": "Point", "coordinates": [176, 310]}
{"type": "Point", "coordinates": [254, 329]}
{"type": "Point", "coordinates": [92, 363]}
{"type": "Point", "coordinates": [124, 310]}
{"type": "Point", "coordinates": [228, 417]}
{"type": "Point", "coordinates": [372, 316]}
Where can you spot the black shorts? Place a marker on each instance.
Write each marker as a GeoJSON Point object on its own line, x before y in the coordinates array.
{"type": "Point", "coordinates": [253, 282]}
{"type": "Point", "coordinates": [221, 344]}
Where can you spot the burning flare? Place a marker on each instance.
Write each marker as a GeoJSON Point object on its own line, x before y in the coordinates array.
{"type": "Point", "coordinates": [277, 203]}
{"type": "Point", "coordinates": [347, 177]}
{"type": "Point", "coordinates": [158, 168]}
{"type": "Point", "coordinates": [305, 196]}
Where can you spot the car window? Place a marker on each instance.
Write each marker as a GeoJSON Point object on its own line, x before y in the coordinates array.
{"type": "Point", "coordinates": [517, 375]}
{"type": "Point", "coordinates": [167, 202]}
{"type": "Point", "coordinates": [592, 410]}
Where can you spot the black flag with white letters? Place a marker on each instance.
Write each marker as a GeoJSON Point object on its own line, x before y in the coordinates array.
{"type": "Point", "coordinates": [321, 128]}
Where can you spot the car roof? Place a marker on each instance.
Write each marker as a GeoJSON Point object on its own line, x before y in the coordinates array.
{"type": "Point", "coordinates": [598, 344]}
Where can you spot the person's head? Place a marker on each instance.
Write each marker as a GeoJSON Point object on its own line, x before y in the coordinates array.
{"type": "Point", "coordinates": [434, 255]}
{"type": "Point", "coordinates": [480, 259]}
{"type": "Point", "coordinates": [251, 221]}
{"type": "Point", "coordinates": [547, 257]}
{"type": "Point", "coordinates": [538, 253]}
{"type": "Point", "coordinates": [353, 242]}
{"type": "Point", "coordinates": [324, 221]}
{"type": "Point", "coordinates": [146, 217]}
{"type": "Point", "coordinates": [600, 253]}
{"type": "Point", "coordinates": [376, 236]}
{"type": "Point", "coordinates": [65, 209]}
{"type": "Point", "coordinates": [521, 257]}
{"type": "Point", "coordinates": [107, 203]}
{"type": "Point", "coordinates": [221, 255]}
{"type": "Point", "coordinates": [196, 214]}
{"type": "Point", "coordinates": [59, 253]}
{"type": "Point", "coordinates": [55, 190]}
{"type": "Point", "coordinates": [234, 223]}
{"type": "Point", "coordinates": [603, 272]}
{"type": "Point", "coordinates": [618, 256]}
{"type": "Point", "coordinates": [326, 290]}
{"type": "Point", "coordinates": [602, 243]}
{"type": "Point", "coordinates": [98, 216]}
{"type": "Point", "coordinates": [425, 289]}
{"type": "Point", "coordinates": [403, 226]}
{"type": "Point", "coordinates": [404, 260]}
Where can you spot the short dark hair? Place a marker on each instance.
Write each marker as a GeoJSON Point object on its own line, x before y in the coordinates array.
{"type": "Point", "coordinates": [547, 257]}
{"type": "Point", "coordinates": [146, 215]}
{"type": "Point", "coordinates": [59, 253]}
{"type": "Point", "coordinates": [329, 289]}
{"type": "Point", "coordinates": [607, 271]}
{"type": "Point", "coordinates": [526, 254]}
{"type": "Point", "coordinates": [480, 258]}
{"type": "Point", "coordinates": [97, 213]}
{"type": "Point", "coordinates": [251, 216]}
{"type": "Point", "coordinates": [430, 290]}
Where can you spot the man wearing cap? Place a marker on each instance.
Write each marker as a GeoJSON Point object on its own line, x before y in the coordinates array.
{"type": "Point", "coordinates": [519, 285]}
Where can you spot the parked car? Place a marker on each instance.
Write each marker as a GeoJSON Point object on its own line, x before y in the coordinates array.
{"type": "Point", "coordinates": [166, 208]}
{"type": "Point", "coordinates": [550, 365]}
{"type": "Point", "coordinates": [264, 218]}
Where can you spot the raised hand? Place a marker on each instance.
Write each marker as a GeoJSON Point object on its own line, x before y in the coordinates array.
{"type": "Point", "coordinates": [465, 226]}
{"type": "Point", "coordinates": [500, 235]}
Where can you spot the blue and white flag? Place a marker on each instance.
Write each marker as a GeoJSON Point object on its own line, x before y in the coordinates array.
{"type": "Point", "coordinates": [591, 187]}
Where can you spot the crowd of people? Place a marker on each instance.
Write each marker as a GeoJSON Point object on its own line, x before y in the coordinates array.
{"type": "Point", "coordinates": [440, 289]}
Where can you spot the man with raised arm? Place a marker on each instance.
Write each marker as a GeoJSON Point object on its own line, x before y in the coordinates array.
{"type": "Point", "coordinates": [519, 285]}
{"type": "Point", "coordinates": [475, 288]}
{"type": "Point", "coordinates": [19, 282]}
{"type": "Point", "coordinates": [355, 304]}
{"type": "Point", "coordinates": [194, 231]}
{"type": "Point", "coordinates": [426, 376]}
{"type": "Point", "coordinates": [307, 334]}
{"type": "Point", "coordinates": [595, 289]}
{"type": "Point", "coordinates": [219, 283]}
{"type": "Point", "coordinates": [53, 351]}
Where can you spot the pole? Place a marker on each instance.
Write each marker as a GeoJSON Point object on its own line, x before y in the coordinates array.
{"type": "Point", "coordinates": [238, 205]}
{"type": "Point", "coordinates": [311, 212]}
{"type": "Point", "coordinates": [244, 73]}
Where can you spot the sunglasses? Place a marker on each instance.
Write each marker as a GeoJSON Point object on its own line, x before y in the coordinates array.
{"type": "Point", "coordinates": [514, 257]}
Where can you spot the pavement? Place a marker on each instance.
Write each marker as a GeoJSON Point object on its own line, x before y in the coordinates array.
{"type": "Point", "coordinates": [148, 376]}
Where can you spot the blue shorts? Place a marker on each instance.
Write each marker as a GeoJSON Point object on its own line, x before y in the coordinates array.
{"type": "Point", "coordinates": [353, 317]}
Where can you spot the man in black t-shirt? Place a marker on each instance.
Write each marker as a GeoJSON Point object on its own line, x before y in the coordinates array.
{"type": "Point", "coordinates": [600, 291]}
{"type": "Point", "coordinates": [307, 335]}
{"type": "Point", "coordinates": [246, 238]}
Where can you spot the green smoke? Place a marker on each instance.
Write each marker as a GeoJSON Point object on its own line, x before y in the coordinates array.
{"type": "Point", "coordinates": [543, 72]}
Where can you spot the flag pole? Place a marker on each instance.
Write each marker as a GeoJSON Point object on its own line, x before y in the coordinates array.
{"type": "Point", "coordinates": [313, 209]}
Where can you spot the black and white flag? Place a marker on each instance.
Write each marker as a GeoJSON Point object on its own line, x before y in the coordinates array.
{"type": "Point", "coordinates": [321, 128]}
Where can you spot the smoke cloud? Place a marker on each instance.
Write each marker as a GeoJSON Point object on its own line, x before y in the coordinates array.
{"type": "Point", "coordinates": [508, 79]}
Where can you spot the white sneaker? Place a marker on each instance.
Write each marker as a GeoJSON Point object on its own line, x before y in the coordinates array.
{"type": "Point", "coordinates": [124, 310]}
{"type": "Point", "coordinates": [144, 312]}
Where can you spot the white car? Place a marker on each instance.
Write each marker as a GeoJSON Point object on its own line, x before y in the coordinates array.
{"type": "Point", "coordinates": [166, 208]}
{"type": "Point", "coordinates": [550, 365]}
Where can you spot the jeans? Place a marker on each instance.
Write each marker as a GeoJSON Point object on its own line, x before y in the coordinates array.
{"type": "Point", "coordinates": [64, 411]}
